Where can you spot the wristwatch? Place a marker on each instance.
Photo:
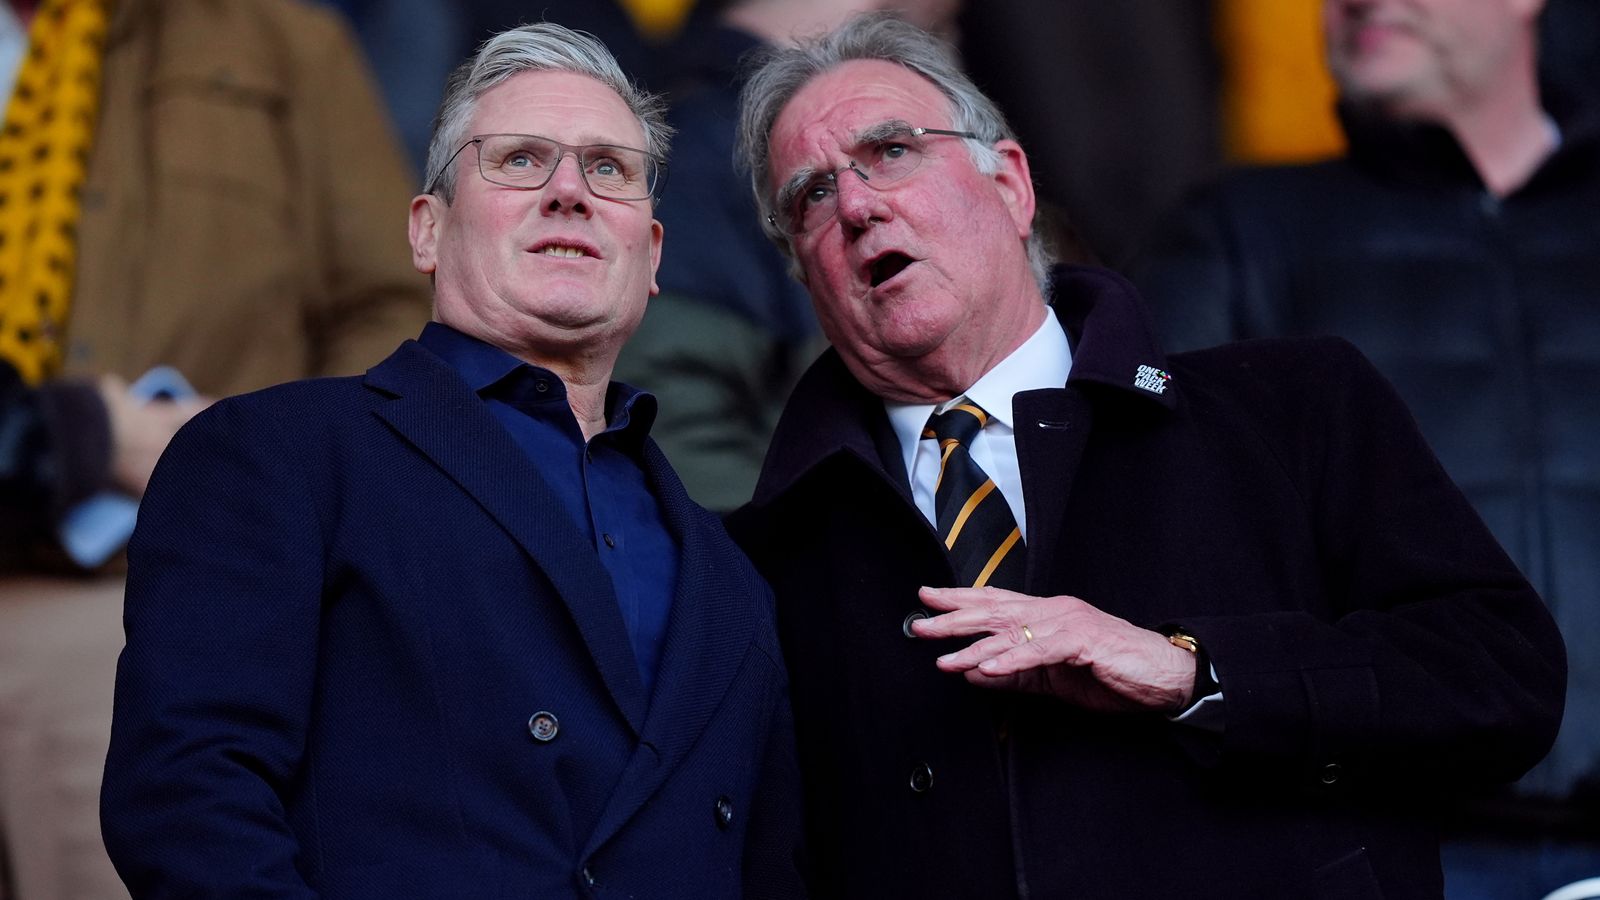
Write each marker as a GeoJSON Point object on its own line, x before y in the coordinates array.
{"type": "Point", "coordinates": [1204, 683]}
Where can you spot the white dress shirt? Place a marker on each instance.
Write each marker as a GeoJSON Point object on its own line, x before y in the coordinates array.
{"type": "Point", "coordinates": [1042, 361]}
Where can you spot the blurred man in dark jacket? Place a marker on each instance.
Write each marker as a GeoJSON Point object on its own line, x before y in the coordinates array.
{"type": "Point", "coordinates": [1458, 245]}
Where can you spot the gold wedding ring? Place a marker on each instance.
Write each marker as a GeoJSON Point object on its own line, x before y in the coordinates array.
{"type": "Point", "coordinates": [1027, 634]}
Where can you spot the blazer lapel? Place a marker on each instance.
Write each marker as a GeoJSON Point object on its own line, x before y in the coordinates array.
{"type": "Point", "coordinates": [435, 411]}
{"type": "Point", "coordinates": [708, 636]}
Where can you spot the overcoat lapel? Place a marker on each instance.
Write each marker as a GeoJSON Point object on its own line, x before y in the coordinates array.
{"type": "Point", "coordinates": [1116, 361]}
{"type": "Point", "coordinates": [708, 636]}
{"type": "Point", "coordinates": [1052, 428]}
{"type": "Point", "coordinates": [438, 414]}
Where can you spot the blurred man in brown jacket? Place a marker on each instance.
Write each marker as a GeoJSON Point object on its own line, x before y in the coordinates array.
{"type": "Point", "coordinates": [217, 194]}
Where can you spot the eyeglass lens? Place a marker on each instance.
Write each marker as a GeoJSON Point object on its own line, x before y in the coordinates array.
{"type": "Point", "coordinates": [527, 161]}
{"type": "Point", "coordinates": [880, 162]}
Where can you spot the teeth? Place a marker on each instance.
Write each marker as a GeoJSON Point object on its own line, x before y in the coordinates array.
{"type": "Point", "coordinates": [564, 252]}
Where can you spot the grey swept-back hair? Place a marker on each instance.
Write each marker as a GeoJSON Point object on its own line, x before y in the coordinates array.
{"type": "Point", "coordinates": [542, 46]}
{"type": "Point", "coordinates": [782, 71]}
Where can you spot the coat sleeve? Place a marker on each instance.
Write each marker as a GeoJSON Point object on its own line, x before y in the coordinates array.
{"type": "Point", "coordinates": [214, 687]}
{"type": "Point", "coordinates": [1187, 276]}
{"type": "Point", "coordinates": [55, 450]}
{"type": "Point", "coordinates": [1438, 663]}
{"type": "Point", "coordinates": [1217, 269]}
{"type": "Point", "coordinates": [356, 188]}
{"type": "Point", "coordinates": [26, 493]}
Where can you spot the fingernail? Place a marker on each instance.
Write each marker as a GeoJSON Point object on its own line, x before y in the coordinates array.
{"type": "Point", "coordinates": [947, 657]}
{"type": "Point", "coordinates": [988, 665]}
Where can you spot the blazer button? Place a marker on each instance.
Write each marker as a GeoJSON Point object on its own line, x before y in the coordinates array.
{"type": "Point", "coordinates": [905, 626]}
{"type": "Point", "coordinates": [724, 811]}
{"type": "Point", "coordinates": [1331, 773]}
{"type": "Point", "coordinates": [921, 777]}
{"type": "Point", "coordinates": [544, 726]}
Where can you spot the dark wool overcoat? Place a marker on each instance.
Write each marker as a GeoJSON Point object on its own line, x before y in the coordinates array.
{"type": "Point", "coordinates": [1376, 649]}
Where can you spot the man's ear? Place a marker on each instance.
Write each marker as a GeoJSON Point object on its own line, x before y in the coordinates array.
{"type": "Point", "coordinates": [1015, 184]}
{"type": "Point", "coordinates": [426, 212]}
{"type": "Point", "coordinates": [657, 231]}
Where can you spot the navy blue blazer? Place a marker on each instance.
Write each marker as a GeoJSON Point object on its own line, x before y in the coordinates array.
{"type": "Point", "coordinates": [347, 601]}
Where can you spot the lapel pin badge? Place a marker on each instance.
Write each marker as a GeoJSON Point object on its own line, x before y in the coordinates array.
{"type": "Point", "coordinates": [1152, 379]}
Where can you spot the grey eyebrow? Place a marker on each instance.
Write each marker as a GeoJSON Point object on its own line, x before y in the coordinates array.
{"type": "Point", "coordinates": [882, 131]}
{"type": "Point", "coordinates": [793, 186]}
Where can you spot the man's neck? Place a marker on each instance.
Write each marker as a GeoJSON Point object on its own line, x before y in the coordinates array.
{"type": "Point", "coordinates": [1507, 137]}
{"type": "Point", "coordinates": [1499, 123]}
{"type": "Point", "coordinates": [586, 382]}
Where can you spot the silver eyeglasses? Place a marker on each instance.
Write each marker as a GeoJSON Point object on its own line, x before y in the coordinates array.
{"type": "Point", "coordinates": [885, 154]}
{"type": "Point", "coordinates": [527, 162]}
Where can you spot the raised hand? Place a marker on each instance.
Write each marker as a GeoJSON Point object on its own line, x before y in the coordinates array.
{"type": "Point", "coordinates": [1061, 646]}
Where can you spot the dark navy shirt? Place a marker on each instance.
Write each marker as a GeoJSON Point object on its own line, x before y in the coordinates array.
{"type": "Point", "coordinates": [602, 483]}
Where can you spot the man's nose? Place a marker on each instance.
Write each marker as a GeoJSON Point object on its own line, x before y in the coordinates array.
{"type": "Point", "coordinates": [859, 202]}
{"type": "Point", "coordinates": [566, 191]}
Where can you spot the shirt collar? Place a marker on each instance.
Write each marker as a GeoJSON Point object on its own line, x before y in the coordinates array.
{"type": "Point", "coordinates": [484, 366]}
{"type": "Point", "coordinates": [1043, 361]}
{"type": "Point", "coordinates": [479, 364]}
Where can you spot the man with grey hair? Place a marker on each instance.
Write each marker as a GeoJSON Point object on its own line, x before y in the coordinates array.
{"type": "Point", "coordinates": [1066, 617]}
{"type": "Point", "coordinates": [454, 629]}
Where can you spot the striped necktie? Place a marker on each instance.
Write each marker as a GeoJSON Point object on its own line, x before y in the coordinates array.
{"type": "Point", "coordinates": [975, 522]}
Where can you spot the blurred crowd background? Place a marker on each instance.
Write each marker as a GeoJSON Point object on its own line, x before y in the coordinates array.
{"type": "Point", "coordinates": [1122, 107]}
{"type": "Point", "coordinates": [220, 186]}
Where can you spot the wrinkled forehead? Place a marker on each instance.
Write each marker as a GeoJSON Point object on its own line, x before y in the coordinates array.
{"type": "Point", "coordinates": [828, 117]}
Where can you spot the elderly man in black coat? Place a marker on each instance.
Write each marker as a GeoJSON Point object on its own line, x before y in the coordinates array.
{"type": "Point", "coordinates": [1066, 617]}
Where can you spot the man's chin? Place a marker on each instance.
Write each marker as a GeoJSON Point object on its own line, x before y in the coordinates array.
{"type": "Point", "coordinates": [909, 373]}
{"type": "Point", "coordinates": [1384, 82]}
{"type": "Point", "coordinates": [568, 311]}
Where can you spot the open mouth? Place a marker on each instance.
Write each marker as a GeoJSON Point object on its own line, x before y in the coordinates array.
{"type": "Point", "coordinates": [887, 266]}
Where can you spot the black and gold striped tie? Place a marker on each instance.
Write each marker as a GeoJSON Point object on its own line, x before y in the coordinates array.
{"type": "Point", "coordinates": [975, 522]}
